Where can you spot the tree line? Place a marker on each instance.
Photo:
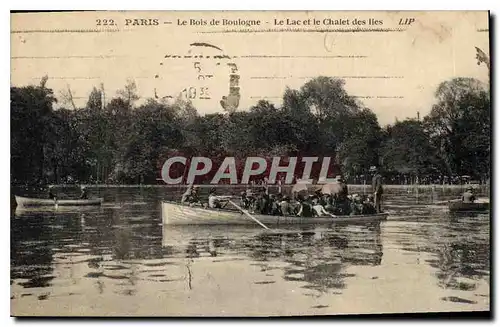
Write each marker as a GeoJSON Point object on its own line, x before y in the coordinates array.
{"type": "Point", "coordinates": [121, 142]}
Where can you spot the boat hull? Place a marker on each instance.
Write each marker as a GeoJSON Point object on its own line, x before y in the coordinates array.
{"type": "Point", "coordinates": [177, 214]}
{"type": "Point", "coordinates": [466, 207]}
{"type": "Point", "coordinates": [33, 202]}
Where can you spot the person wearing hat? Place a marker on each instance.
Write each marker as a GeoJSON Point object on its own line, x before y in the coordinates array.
{"type": "Point", "coordinates": [468, 196]}
{"type": "Point", "coordinates": [377, 188]}
{"type": "Point", "coordinates": [83, 194]}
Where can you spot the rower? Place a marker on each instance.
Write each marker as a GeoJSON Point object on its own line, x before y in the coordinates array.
{"type": "Point", "coordinates": [83, 195]}
{"type": "Point", "coordinates": [468, 196]}
{"type": "Point", "coordinates": [214, 201]}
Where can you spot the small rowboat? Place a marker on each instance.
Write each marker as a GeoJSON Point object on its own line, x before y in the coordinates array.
{"type": "Point", "coordinates": [460, 206]}
{"type": "Point", "coordinates": [33, 202]}
{"type": "Point", "coordinates": [178, 214]}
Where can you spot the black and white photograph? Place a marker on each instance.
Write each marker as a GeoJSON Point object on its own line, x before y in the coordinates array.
{"type": "Point", "coordinates": [249, 163]}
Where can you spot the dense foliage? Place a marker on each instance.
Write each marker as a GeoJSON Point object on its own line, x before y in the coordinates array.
{"type": "Point", "coordinates": [126, 143]}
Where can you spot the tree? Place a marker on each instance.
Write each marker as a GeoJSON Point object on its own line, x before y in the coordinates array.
{"type": "Point", "coordinates": [459, 125]}
{"type": "Point", "coordinates": [327, 98]}
{"type": "Point", "coordinates": [360, 147]}
{"type": "Point", "coordinates": [95, 100]}
{"type": "Point", "coordinates": [129, 93]}
{"type": "Point", "coordinates": [294, 102]}
{"type": "Point", "coordinates": [408, 149]}
{"type": "Point", "coordinates": [66, 97]}
{"type": "Point", "coordinates": [31, 129]}
{"type": "Point", "coordinates": [153, 131]}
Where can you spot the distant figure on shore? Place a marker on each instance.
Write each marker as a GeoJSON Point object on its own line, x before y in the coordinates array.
{"type": "Point", "coordinates": [50, 193]}
{"type": "Point", "coordinates": [84, 194]}
{"type": "Point", "coordinates": [377, 188]}
{"type": "Point", "coordinates": [468, 196]}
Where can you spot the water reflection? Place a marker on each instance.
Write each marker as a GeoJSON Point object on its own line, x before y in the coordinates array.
{"type": "Point", "coordinates": [313, 255]}
{"type": "Point", "coordinates": [97, 258]}
{"type": "Point", "coordinates": [460, 248]}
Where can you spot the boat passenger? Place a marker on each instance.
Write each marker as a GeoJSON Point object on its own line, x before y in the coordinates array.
{"type": "Point", "coordinates": [83, 194]}
{"type": "Point", "coordinates": [369, 206]}
{"type": "Point", "coordinates": [215, 202]}
{"type": "Point", "coordinates": [306, 209]}
{"type": "Point", "coordinates": [244, 200]}
{"type": "Point", "coordinates": [286, 208]}
{"type": "Point", "coordinates": [318, 209]}
{"type": "Point", "coordinates": [356, 205]}
{"type": "Point", "coordinates": [344, 190]}
{"type": "Point", "coordinates": [468, 196]}
{"type": "Point", "coordinates": [191, 195]}
{"type": "Point", "coordinates": [327, 202]}
{"type": "Point", "coordinates": [342, 206]}
{"type": "Point", "coordinates": [187, 194]}
{"type": "Point", "coordinates": [262, 202]}
{"type": "Point", "coordinates": [274, 208]}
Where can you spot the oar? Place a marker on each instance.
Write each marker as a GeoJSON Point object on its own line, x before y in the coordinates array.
{"type": "Point", "coordinates": [248, 214]}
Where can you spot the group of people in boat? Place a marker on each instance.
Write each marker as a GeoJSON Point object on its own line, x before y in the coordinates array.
{"type": "Point", "coordinates": [305, 205]}
{"type": "Point", "coordinates": [84, 194]}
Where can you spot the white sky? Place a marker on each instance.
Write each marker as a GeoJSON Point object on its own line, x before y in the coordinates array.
{"type": "Point", "coordinates": [394, 73]}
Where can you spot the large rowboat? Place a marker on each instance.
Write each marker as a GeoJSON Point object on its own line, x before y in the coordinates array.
{"type": "Point", "coordinates": [33, 202]}
{"type": "Point", "coordinates": [178, 214]}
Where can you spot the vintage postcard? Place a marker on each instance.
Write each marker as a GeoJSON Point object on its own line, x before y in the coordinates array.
{"type": "Point", "coordinates": [258, 163]}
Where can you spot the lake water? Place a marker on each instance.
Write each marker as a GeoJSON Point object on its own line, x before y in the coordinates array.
{"type": "Point", "coordinates": [120, 260]}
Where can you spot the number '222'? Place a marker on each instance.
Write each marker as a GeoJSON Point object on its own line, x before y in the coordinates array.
{"type": "Point", "coordinates": [105, 22]}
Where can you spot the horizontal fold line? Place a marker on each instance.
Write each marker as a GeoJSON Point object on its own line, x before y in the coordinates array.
{"type": "Point", "coordinates": [274, 30]}
{"type": "Point", "coordinates": [87, 30]}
